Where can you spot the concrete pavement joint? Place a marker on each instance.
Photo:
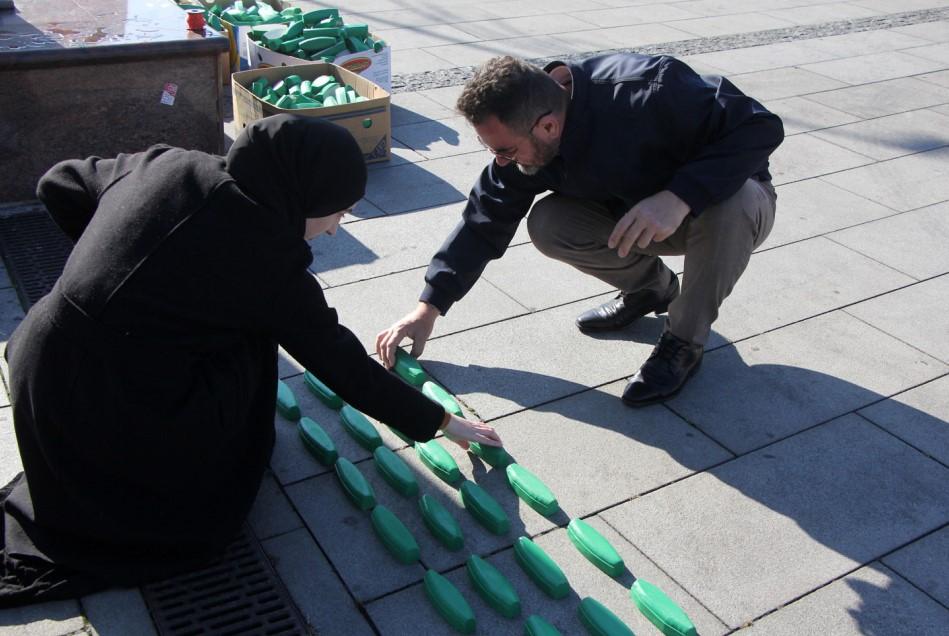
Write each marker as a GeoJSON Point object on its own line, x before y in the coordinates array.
{"type": "Point", "coordinates": [410, 82]}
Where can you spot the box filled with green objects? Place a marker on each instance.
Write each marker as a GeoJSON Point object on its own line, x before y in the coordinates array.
{"type": "Point", "coordinates": [317, 89]}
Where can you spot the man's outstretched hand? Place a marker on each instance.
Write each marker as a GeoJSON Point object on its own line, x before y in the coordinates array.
{"type": "Point", "coordinates": [462, 432]}
{"type": "Point", "coordinates": [416, 325]}
{"type": "Point", "coordinates": [653, 219]}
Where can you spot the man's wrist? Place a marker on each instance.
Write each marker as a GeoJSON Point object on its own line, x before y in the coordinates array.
{"type": "Point", "coordinates": [445, 420]}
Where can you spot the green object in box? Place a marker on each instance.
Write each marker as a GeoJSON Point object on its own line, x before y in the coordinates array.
{"type": "Point", "coordinates": [280, 88]}
{"type": "Point", "coordinates": [287, 402]}
{"type": "Point", "coordinates": [258, 32]}
{"type": "Point", "coordinates": [394, 535]}
{"type": "Point", "coordinates": [595, 547]}
{"type": "Point", "coordinates": [340, 95]}
{"type": "Point", "coordinates": [355, 45]}
{"type": "Point", "coordinates": [378, 46]}
{"type": "Point", "coordinates": [354, 484]}
{"type": "Point", "coordinates": [441, 523]}
{"type": "Point", "coordinates": [328, 89]}
{"type": "Point", "coordinates": [317, 43]}
{"type": "Point", "coordinates": [395, 471]}
{"type": "Point", "coordinates": [495, 456]}
{"type": "Point", "coordinates": [322, 81]}
{"type": "Point", "coordinates": [328, 59]}
{"type": "Point", "coordinates": [306, 87]}
{"type": "Point", "coordinates": [335, 50]}
{"type": "Point", "coordinates": [408, 368]}
{"type": "Point", "coordinates": [284, 102]}
{"type": "Point", "coordinates": [661, 610]}
{"type": "Point", "coordinates": [306, 102]}
{"type": "Point", "coordinates": [600, 621]}
{"type": "Point", "coordinates": [537, 626]}
{"type": "Point", "coordinates": [259, 86]}
{"type": "Point", "coordinates": [271, 97]}
{"type": "Point", "coordinates": [316, 441]}
{"type": "Point", "coordinates": [251, 10]}
{"type": "Point", "coordinates": [294, 30]}
{"type": "Point", "coordinates": [293, 80]}
{"type": "Point", "coordinates": [321, 32]}
{"type": "Point", "coordinates": [493, 587]}
{"type": "Point", "coordinates": [267, 12]}
{"type": "Point", "coordinates": [291, 12]}
{"type": "Point", "coordinates": [357, 30]}
{"type": "Point", "coordinates": [360, 428]}
{"type": "Point", "coordinates": [289, 46]}
{"type": "Point", "coordinates": [274, 36]}
{"type": "Point", "coordinates": [294, 91]}
{"type": "Point", "coordinates": [437, 394]}
{"type": "Point", "coordinates": [326, 395]}
{"type": "Point", "coordinates": [449, 602]}
{"type": "Point", "coordinates": [318, 15]}
{"type": "Point", "coordinates": [438, 460]}
{"type": "Point", "coordinates": [541, 568]}
{"type": "Point", "coordinates": [532, 490]}
{"type": "Point", "coordinates": [351, 96]}
{"type": "Point", "coordinates": [330, 101]}
{"type": "Point", "coordinates": [484, 508]}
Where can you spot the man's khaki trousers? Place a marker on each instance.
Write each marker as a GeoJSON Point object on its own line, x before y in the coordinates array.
{"type": "Point", "coordinates": [717, 245]}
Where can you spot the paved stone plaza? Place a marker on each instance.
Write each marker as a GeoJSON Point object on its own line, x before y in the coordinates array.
{"type": "Point", "coordinates": [798, 485]}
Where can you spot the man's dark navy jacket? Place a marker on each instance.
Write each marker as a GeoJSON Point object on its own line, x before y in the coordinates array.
{"type": "Point", "coordinates": [636, 125]}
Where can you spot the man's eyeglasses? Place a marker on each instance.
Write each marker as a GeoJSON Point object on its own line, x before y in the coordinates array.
{"type": "Point", "coordinates": [509, 156]}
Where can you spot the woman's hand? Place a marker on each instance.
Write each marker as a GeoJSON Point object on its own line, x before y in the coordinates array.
{"type": "Point", "coordinates": [462, 432]}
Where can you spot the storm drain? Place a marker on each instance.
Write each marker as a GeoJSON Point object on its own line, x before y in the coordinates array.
{"type": "Point", "coordinates": [34, 250]}
{"type": "Point", "coordinates": [239, 594]}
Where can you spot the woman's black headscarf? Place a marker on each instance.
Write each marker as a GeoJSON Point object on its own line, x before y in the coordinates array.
{"type": "Point", "coordinates": [299, 166]}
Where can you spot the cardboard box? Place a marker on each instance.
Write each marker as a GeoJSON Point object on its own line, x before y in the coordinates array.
{"type": "Point", "coordinates": [237, 35]}
{"type": "Point", "coordinates": [369, 121]}
{"type": "Point", "coordinates": [376, 67]}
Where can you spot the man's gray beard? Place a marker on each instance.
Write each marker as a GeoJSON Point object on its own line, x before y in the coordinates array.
{"type": "Point", "coordinates": [529, 170]}
{"type": "Point", "coordinates": [546, 154]}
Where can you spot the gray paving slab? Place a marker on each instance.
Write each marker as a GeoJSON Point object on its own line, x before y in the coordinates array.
{"type": "Point", "coordinates": [886, 6]}
{"type": "Point", "coordinates": [392, 297]}
{"type": "Point", "coordinates": [544, 24]}
{"type": "Point", "coordinates": [905, 183]}
{"type": "Point", "coordinates": [425, 14]}
{"type": "Point", "coordinates": [920, 416]}
{"type": "Point", "coordinates": [874, 68]}
{"type": "Point", "coordinates": [937, 31]}
{"type": "Point", "coordinates": [912, 315]}
{"type": "Point", "coordinates": [522, 8]}
{"type": "Point", "coordinates": [725, 25]}
{"type": "Point", "coordinates": [441, 138]}
{"type": "Point", "coordinates": [872, 600]}
{"type": "Point", "coordinates": [813, 207]}
{"type": "Point", "coordinates": [413, 108]}
{"type": "Point", "coordinates": [796, 377]}
{"type": "Point", "coordinates": [865, 43]}
{"type": "Point", "coordinates": [526, 361]}
{"type": "Point", "coordinates": [804, 156]}
{"type": "Point", "coordinates": [476, 53]}
{"type": "Point", "coordinates": [400, 155]}
{"type": "Point", "coordinates": [944, 109]}
{"type": "Point", "coordinates": [619, 16]}
{"type": "Point", "coordinates": [314, 587]}
{"type": "Point", "coordinates": [892, 136]}
{"type": "Point", "coordinates": [446, 96]}
{"type": "Point", "coordinates": [409, 610]}
{"type": "Point", "coordinates": [799, 115]}
{"type": "Point", "coordinates": [10, 463]}
{"type": "Point", "coordinates": [936, 52]}
{"type": "Point", "coordinates": [431, 35]}
{"type": "Point", "coordinates": [271, 514]}
{"type": "Point", "coordinates": [797, 281]}
{"type": "Point", "coordinates": [286, 365]}
{"type": "Point", "coordinates": [4, 277]}
{"type": "Point", "coordinates": [620, 37]}
{"type": "Point", "coordinates": [883, 98]}
{"type": "Point", "coordinates": [830, 12]}
{"type": "Point", "coordinates": [926, 564]}
{"type": "Point", "coordinates": [410, 186]}
{"type": "Point", "coordinates": [53, 618]}
{"type": "Point", "coordinates": [11, 313]}
{"type": "Point", "coordinates": [832, 498]}
{"type": "Point", "coordinates": [912, 242]}
{"type": "Point", "coordinates": [783, 82]}
{"type": "Point", "coordinates": [940, 77]}
{"type": "Point", "coordinates": [118, 611]}
{"type": "Point", "coordinates": [729, 7]}
{"type": "Point", "coordinates": [766, 57]}
{"type": "Point", "coordinates": [417, 61]}
{"type": "Point", "coordinates": [362, 210]}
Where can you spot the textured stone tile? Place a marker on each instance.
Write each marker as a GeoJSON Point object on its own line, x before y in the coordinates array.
{"type": "Point", "coordinates": [782, 82]}
{"type": "Point", "coordinates": [118, 611]}
{"type": "Point", "coordinates": [4, 277]}
{"type": "Point", "coordinates": [401, 154]}
{"type": "Point", "coordinates": [503, 368]}
{"type": "Point", "coordinates": [873, 68]}
{"type": "Point", "coordinates": [933, 31]}
{"type": "Point", "coordinates": [446, 96]}
{"type": "Point", "coordinates": [409, 610]}
{"type": "Point", "coordinates": [903, 184]}
{"type": "Point", "coordinates": [908, 314]}
{"type": "Point", "coordinates": [477, 53]}
{"type": "Point", "coordinates": [796, 377]}
{"type": "Point", "coordinates": [944, 109]}
{"type": "Point", "coordinates": [919, 416]}
{"type": "Point", "coordinates": [544, 24]}
{"type": "Point", "coordinates": [423, 14]}
{"type": "Point", "coordinates": [872, 600]}
{"type": "Point", "coordinates": [912, 242]}
{"type": "Point", "coordinates": [885, 6]}
{"type": "Point", "coordinates": [729, 24]}
{"type": "Point", "coordinates": [764, 57]}
{"type": "Point", "coordinates": [523, 8]}
{"type": "Point", "coordinates": [362, 210]}
{"type": "Point", "coordinates": [940, 77]}
{"type": "Point", "coordinates": [893, 136]}
{"type": "Point", "coordinates": [621, 16]}
{"type": "Point", "coordinates": [832, 498]}
{"type": "Point", "coordinates": [802, 115]}
{"type": "Point", "coordinates": [53, 618]}
{"type": "Point", "coordinates": [926, 564]}
{"type": "Point", "coordinates": [797, 281]}
{"type": "Point", "coordinates": [804, 156]}
{"type": "Point", "coordinates": [410, 186]}
{"type": "Point", "coordinates": [813, 207]}
{"type": "Point", "coordinates": [10, 463]}
{"type": "Point", "coordinates": [864, 43]}
{"type": "Point", "coordinates": [413, 108]}
{"type": "Point", "coordinates": [271, 514]}
{"type": "Point", "coordinates": [395, 295]}
{"type": "Point", "coordinates": [442, 138]}
{"type": "Point", "coordinates": [883, 98]}
{"type": "Point", "coordinates": [732, 7]}
{"type": "Point", "coordinates": [936, 52]}
{"type": "Point", "coordinates": [815, 14]}
{"type": "Point", "coordinates": [316, 590]}
{"type": "Point", "coordinates": [620, 37]}
{"type": "Point", "coordinates": [421, 37]}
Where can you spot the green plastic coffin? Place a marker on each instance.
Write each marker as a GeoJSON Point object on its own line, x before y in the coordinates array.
{"type": "Point", "coordinates": [316, 441]}
{"type": "Point", "coordinates": [484, 508]}
{"type": "Point", "coordinates": [438, 461]}
{"type": "Point", "coordinates": [661, 610]}
{"type": "Point", "coordinates": [532, 490]}
{"type": "Point", "coordinates": [439, 395]}
{"type": "Point", "coordinates": [449, 602]}
{"type": "Point", "coordinates": [360, 428]}
{"type": "Point", "coordinates": [317, 43]}
{"type": "Point", "coordinates": [287, 402]}
{"type": "Point", "coordinates": [494, 456]}
{"type": "Point", "coordinates": [394, 535]}
{"type": "Point", "coordinates": [408, 368]}
{"type": "Point", "coordinates": [493, 587]}
{"type": "Point", "coordinates": [441, 523]}
{"type": "Point", "coordinates": [354, 484]}
{"type": "Point", "coordinates": [395, 471]}
{"type": "Point", "coordinates": [541, 568]}
{"type": "Point", "coordinates": [595, 547]}
{"type": "Point", "coordinates": [600, 621]}
{"type": "Point", "coordinates": [537, 626]}
{"type": "Point", "coordinates": [323, 392]}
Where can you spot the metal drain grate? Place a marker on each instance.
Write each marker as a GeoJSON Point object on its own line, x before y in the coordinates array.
{"type": "Point", "coordinates": [239, 594]}
{"type": "Point", "coordinates": [34, 250]}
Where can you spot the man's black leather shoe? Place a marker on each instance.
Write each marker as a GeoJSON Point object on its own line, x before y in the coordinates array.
{"type": "Point", "coordinates": [671, 363]}
{"type": "Point", "coordinates": [626, 309]}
